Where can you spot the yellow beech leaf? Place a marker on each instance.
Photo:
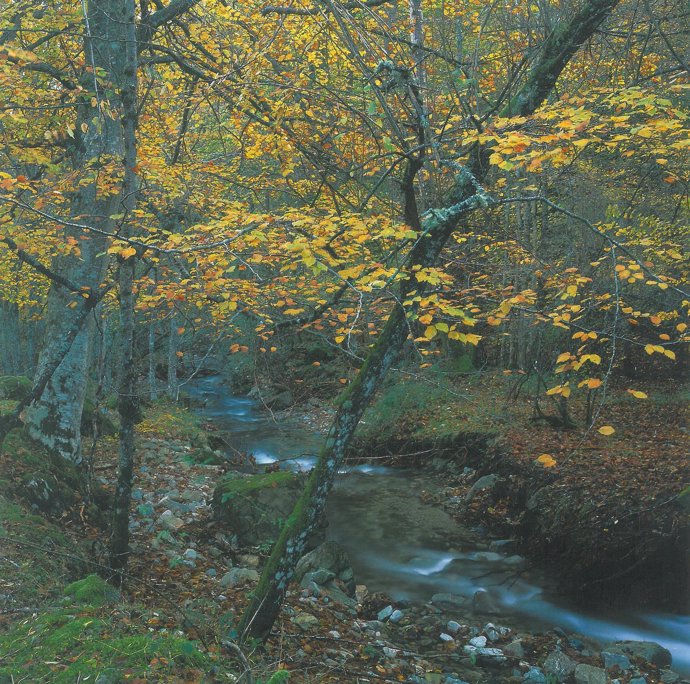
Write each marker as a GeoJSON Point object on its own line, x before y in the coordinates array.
{"type": "Point", "coordinates": [547, 460]}
{"type": "Point", "coordinates": [669, 354]}
{"type": "Point", "coordinates": [128, 252]}
{"type": "Point", "coordinates": [682, 327]}
{"type": "Point", "coordinates": [606, 430]}
{"type": "Point", "coordinates": [430, 332]}
{"type": "Point", "coordinates": [565, 356]}
{"type": "Point", "coordinates": [638, 394]}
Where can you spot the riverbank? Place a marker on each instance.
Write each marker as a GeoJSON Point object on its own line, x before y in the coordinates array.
{"type": "Point", "coordinates": [190, 578]}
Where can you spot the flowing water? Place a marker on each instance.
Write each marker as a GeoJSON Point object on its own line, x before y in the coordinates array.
{"type": "Point", "coordinates": [409, 550]}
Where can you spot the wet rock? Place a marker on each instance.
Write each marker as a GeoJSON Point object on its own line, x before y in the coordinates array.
{"type": "Point", "coordinates": [503, 545]}
{"type": "Point", "coordinates": [190, 555]}
{"type": "Point", "coordinates": [638, 680]}
{"type": "Point", "coordinates": [488, 556]}
{"type": "Point", "coordinates": [238, 576]}
{"type": "Point", "coordinates": [483, 483]}
{"type": "Point", "coordinates": [559, 666]}
{"type": "Point", "coordinates": [332, 557]}
{"type": "Point", "coordinates": [534, 676]}
{"type": "Point", "coordinates": [483, 602]}
{"type": "Point", "coordinates": [612, 660]}
{"type": "Point", "coordinates": [588, 674]}
{"type": "Point", "coordinates": [647, 650]}
{"type": "Point", "coordinates": [448, 601]}
{"type": "Point", "coordinates": [445, 637]}
{"type": "Point", "coordinates": [390, 652]}
{"type": "Point", "coordinates": [211, 572]}
{"type": "Point", "coordinates": [669, 677]}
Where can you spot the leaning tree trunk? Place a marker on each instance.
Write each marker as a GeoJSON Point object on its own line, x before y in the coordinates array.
{"type": "Point", "coordinates": [438, 226]}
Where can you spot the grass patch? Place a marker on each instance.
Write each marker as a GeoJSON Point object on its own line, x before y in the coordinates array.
{"type": "Point", "coordinates": [76, 643]}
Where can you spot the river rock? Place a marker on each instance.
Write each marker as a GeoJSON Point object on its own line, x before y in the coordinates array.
{"type": "Point", "coordinates": [483, 602]}
{"type": "Point", "coordinates": [588, 674]}
{"type": "Point", "coordinates": [453, 627]}
{"type": "Point", "coordinates": [559, 666]}
{"type": "Point", "coordinates": [238, 576]}
{"type": "Point", "coordinates": [647, 650]}
{"type": "Point", "coordinates": [534, 676]}
{"type": "Point", "coordinates": [396, 616]}
{"type": "Point", "coordinates": [254, 506]}
{"type": "Point", "coordinates": [503, 545]}
{"type": "Point", "coordinates": [332, 557]}
{"type": "Point", "coordinates": [515, 649]}
{"type": "Point", "coordinates": [446, 637]}
{"type": "Point", "coordinates": [478, 641]}
{"type": "Point", "coordinates": [638, 680]}
{"type": "Point", "coordinates": [319, 577]}
{"type": "Point", "coordinates": [612, 660]}
{"type": "Point", "coordinates": [448, 601]}
{"type": "Point", "coordinates": [491, 656]}
{"type": "Point", "coordinates": [669, 677]}
{"type": "Point", "coordinates": [385, 613]}
{"type": "Point", "coordinates": [483, 483]}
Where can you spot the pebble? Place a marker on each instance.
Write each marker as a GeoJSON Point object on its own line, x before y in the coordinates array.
{"type": "Point", "coordinates": [515, 649]}
{"type": "Point", "coordinates": [491, 632]}
{"type": "Point", "coordinates": [385, 613]}
{"type": "Point", "coordinates": [211, 572]}
{"type": "Point", "coordinates": [396, 616]}
{"type": "Point", "coordinates": [478, 642]}
{"type": "Point", "coordinates": [491, 656]}
{"type": "Point", "coordinates": [453, 627]}
{"type": "Point", "coordinates": [446, 637]}
{"type": "Point", "coordinates": [190, 554]}
{"type": "Point", "coordinates": [305, 621]}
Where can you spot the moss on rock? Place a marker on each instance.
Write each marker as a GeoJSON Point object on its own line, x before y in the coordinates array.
{"type": "Point", "coordinates": [255, 506]}
{"type": "Point", "coordinates": [92, 590]}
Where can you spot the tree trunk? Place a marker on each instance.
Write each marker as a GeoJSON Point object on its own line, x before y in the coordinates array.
{"type": "Point", "coordinates": [437, 227]}
{"type": "Point", "coordinates": [55, 418]}
{"type": "Point", "coordinates": [127, 400]}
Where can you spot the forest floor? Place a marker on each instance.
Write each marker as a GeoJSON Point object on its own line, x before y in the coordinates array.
{"type": "Point", "coordinates": [179, 598]}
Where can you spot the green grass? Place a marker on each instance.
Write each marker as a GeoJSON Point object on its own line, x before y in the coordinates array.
{"type": "Point", "coordinates": [165, 418]}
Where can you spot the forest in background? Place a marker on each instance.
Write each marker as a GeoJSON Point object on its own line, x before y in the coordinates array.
{"type": "Point", "coordinates": [489, 201]}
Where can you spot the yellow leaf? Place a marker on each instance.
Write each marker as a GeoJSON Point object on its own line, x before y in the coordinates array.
{"type": "Point", "coordinates": [682, 327]}
{"type": "Point", "coordinates": [606, 430]}
{"type": "Point", "coordinates": [671, 355]}
{"type": "Point", "coordinates": [430, 332]}
{"type": "Point", "coordinates": [638, 394]}
{"type": "Point", "coordinates": [547, 460]}
{"type": "Point", "coordinates": [128, 252]}
{"type": "Point", "coordinates": [565, 356]}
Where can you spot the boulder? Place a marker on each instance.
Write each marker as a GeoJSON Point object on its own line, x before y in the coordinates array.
{"type": "Point", "coordinates": [646, 650]}
{"type": "Point", "coordinates": [255, 506]}
{"type": "Point", "coordinates": [328, 556]}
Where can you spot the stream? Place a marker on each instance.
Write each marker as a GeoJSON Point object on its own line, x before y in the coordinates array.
{"type": "Point", "coordinates": [409, 550]}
